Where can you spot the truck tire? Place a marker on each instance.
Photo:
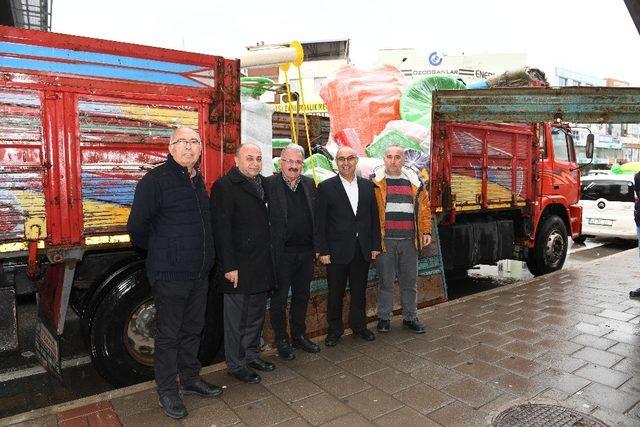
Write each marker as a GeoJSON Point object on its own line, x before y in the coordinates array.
{"type": "Point", "coordinates": [550, 250]}
{"type": "Point", "coordinates": [123, 326]}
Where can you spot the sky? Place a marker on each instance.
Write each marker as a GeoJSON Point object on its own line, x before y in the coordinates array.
{"type": "Point", "coordinates": [593, 37]}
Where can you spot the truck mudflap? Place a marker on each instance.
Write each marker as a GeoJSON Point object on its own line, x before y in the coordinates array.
{"type": "Point", "coordinates": [53, 301]}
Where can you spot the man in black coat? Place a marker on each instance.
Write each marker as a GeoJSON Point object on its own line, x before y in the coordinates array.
{"type": "Point", "coordinates": [291, 199]}
{"type": "Point", "coordinates": [170, 219]}
{"type": "Point", "coordinates": [348, 238]}
{"type": "Point", "coordinates": [245, 266]}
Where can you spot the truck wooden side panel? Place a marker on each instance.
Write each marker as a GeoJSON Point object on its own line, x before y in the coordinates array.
{"type": "Point", "coordinates": [481, 166]}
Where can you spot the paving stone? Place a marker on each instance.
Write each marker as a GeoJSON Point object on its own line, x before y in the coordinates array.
{"type": "Point", "coordinates": [320, 408]}
{"type": "Point", "coordinates": [617, 315]}
{"type": "Point", "coordinates": [588, 328]}
{"type": "Point", "coordinates": [627, 350]}
{"type": "Point", "coordinates": [559, 345]}
{"type": "Point", "coordinates": [502, 402]}
{"type": "Point", "coordinates": [318, 369]}
{"type": "Point", "coordinates": [156, 418]}
{"type": "Point", "coordinates": [624, 337]}
{"type": "Point", "coordinates": [342, 385]}
{"type": "Point", "coordinates": [405, 417]}
{"type": "Point", "coordinates": [436, 376]}
{"type": "Point", "coordinates": [302, 358]}
{"type": "Point", "coordinates": [473, 393]}
{"type": "Point", "coordinates": [211, 415]}
{"type": "Point", "coordinates": [599, 357]}
{"type": "Point", "coordinates": [491, 338]}
{"type": "Point", "coordinates": [372, 403]}
{"type": "Point", "coordinates": [390, 380]}
{"type": "Point", "coordinates": [446, 357]}
{"type": "Point", "coordinates": [352, 419]}
{"type": "Point", "coordinates": [631, 366]}
{"type": "Point", "coordinates": [485, 353]}
{"type": "Point", "coordinates": [560, 362]}
{"type": "Point", "coordinates": [593, 341]}
{"type": "Point", "coordinates": [403, 361]}
{"type": "Point", "coordinates": [48, 421]}
{"type": "Point", "coordinates": [609, 397]}
{"type": "Point", "coordinates": [418, 346]}
{"type": "Point", "coordinates": [516, 384]}
{"type": "Point", "coordinates": [362, 365]}
{"type": "Point", "coordinates": [521, 366]}
{"type": "Point", "coordinates": [455, 342]}
{"type": "Point", "coordinates": [136, 402]}
{"type": "Point", "coordinates": [480, 370]}
{"type": "Point", "coordinates": [603, 375]}
{"type": "Point", "coordinates": [241, 394]}
{"type": "Point", "coordinates": [423, 398]}
{"type": "Point", "coordinates": [523, 349]}
{"type": "Point", "coordinates": [294, 422]}
{"type": "Point", "coordinates": [615, 419]}
{"type": "Point", "coordinates": [462, 330]}
{"type": "Point", "coordinates": [337, 354]}
{"type": "Point", "coordinates": [561, 381]}
{"type": "Point", "coordinates": [457, 414]}
{"type": "Point", "coordinates": [221, 378]}
{"type": "Point", "coordinates": [266, 412]}
{"type": "Point", "coordinates": [294, 389]}
{"type": "Point", "coordinates": [280, 374]}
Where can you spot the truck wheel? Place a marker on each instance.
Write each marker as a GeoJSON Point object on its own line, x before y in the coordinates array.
{"type": "Point", "coordinates": [550, 250]}
{"type": "Point", "coordinates": [122, 330]}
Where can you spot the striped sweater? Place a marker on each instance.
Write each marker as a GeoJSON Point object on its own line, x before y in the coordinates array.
{"type": "Point", "coordinates": [399, 212]}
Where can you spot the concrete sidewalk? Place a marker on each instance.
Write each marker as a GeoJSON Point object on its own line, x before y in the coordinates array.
{"type": "Point", "coordinates": [571, 338]}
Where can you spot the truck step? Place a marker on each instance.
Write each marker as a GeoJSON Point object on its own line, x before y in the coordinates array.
{"type": "Point", "coordinates": [8, 321]}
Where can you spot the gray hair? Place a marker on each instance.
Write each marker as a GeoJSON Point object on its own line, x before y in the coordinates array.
{"type": "Point", "coordinates": [179, 129]}
{"type": "Point", "coordinates": [294, 148]}
{"type": "Point", "coordinates": [394, 145]}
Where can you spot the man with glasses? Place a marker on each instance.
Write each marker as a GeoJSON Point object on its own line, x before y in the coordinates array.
{"type": "Point", "coordinates": [348, 238]}
{"type": "Point", "coordinates": [170, 219]}
{"type": "Point", "coordinates": [291, 199]}
{"type": "Point", "coordinates": [245, 266]}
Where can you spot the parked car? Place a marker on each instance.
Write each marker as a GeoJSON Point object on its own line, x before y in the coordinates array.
{"type": "Point", "coordinates": [607, 207]}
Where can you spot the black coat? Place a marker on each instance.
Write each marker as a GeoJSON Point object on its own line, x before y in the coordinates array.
{"type": "Point", "coordinates": [170, 219]}
{"type": "Point", "coordinates": [636, 186]}
{"type": "Point", "coordinates": [277, 199]}
{"type": "Point", "coordinates": [336, 225]}
{"type": "Point", "coordinates": [241, 229]}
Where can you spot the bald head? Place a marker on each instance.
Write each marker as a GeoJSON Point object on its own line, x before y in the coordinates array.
{"type": "Point", "coordinates": [249, 160]}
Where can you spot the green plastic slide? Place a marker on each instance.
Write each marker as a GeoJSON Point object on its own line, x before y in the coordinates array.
{"type": "Point", "coordinates": [415, 103]}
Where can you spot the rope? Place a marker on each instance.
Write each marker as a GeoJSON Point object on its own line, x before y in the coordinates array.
{"type": "Point", "coordinates": [294, 133]}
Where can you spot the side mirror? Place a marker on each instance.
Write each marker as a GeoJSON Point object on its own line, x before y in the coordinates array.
{"type": "Point", "coordinates": [590, 145]}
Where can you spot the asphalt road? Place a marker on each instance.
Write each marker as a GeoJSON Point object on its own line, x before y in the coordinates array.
{"type": "Point", "coordinates": [25, 386]}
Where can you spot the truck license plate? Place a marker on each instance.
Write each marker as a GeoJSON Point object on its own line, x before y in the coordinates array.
{"type": "Point", "coordinates": [600, 221]}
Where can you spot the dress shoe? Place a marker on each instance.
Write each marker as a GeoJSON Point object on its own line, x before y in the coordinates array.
{"type": "Point", "coordinates": [173, 406]}
{"type": "Point", "coordinates": [365, 334]}
{"type": "Point", "coordinates": [201, 388]}
{"type": "Point", "coordinates": [246, 375]}
{"type": "Point", "coordinates": [414, 325]}
{"type": "Point", "coordinates": [285, 352]}
{"type": "Point", "coordinates": [384, 325]}
{"type": "Point", "coordinates": [303, 343]}
{"type": "Point", "coordinates": [261, 365]}
{"type": "Point", "coordinates": [635, 294]}
{"type": "Point", "coordinates": [332, 339]}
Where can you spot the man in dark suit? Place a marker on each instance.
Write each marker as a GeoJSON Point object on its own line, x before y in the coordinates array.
{"type": "Point", "coordinates": [291, 198]}
{"type": "Point", "coordinates": [636, 217]}
{"type": "Point", "coordinates": [348, 238]}
{"type": "Point", "coordinates": [245, 267]}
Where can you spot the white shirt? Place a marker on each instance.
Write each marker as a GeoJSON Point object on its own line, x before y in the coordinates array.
{"type": "Point", "coordinates": [352, 192]}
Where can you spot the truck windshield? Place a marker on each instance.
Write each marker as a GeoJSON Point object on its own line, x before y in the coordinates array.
{"type": "Point", "coordinates": [611, 190]}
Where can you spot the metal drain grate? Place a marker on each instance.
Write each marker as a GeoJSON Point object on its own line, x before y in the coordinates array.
{"type": "Point", "coordinates": [535, 415]}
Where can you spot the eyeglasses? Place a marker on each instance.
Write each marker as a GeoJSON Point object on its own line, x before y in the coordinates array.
{"type": "Point", "coordinates": [183, 142]}
{"type": "Point", "coordinates": [346, 159]}
{"type": "Point", "coordinates": [292, 162]}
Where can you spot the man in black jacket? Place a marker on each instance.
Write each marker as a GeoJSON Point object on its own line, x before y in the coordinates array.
{"type": "Point", "coordinates": [245, 267]}
{"type": "Point", "coordinates": [348, 238]}
{"type": "Point", "coordinates": [170, 219]}
{"type": "Point", "coordinates": [291, 199]}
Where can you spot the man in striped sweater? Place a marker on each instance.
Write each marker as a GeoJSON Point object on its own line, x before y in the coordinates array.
{"type": "Point", "coordinates": [405, 225]}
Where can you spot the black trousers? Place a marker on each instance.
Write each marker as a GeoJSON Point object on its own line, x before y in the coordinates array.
{"type": "Point", "coordinates": [243, 320]}
{"type": "Point", "coordinates": [337, 274]}
{"type": "Point", "coordinates": [294, 271]}
{"type": "Point", "coordinates": [180, 308]}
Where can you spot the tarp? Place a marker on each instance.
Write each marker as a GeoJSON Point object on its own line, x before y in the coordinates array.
{"type": "Point", "coordinates": [415, 104]}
